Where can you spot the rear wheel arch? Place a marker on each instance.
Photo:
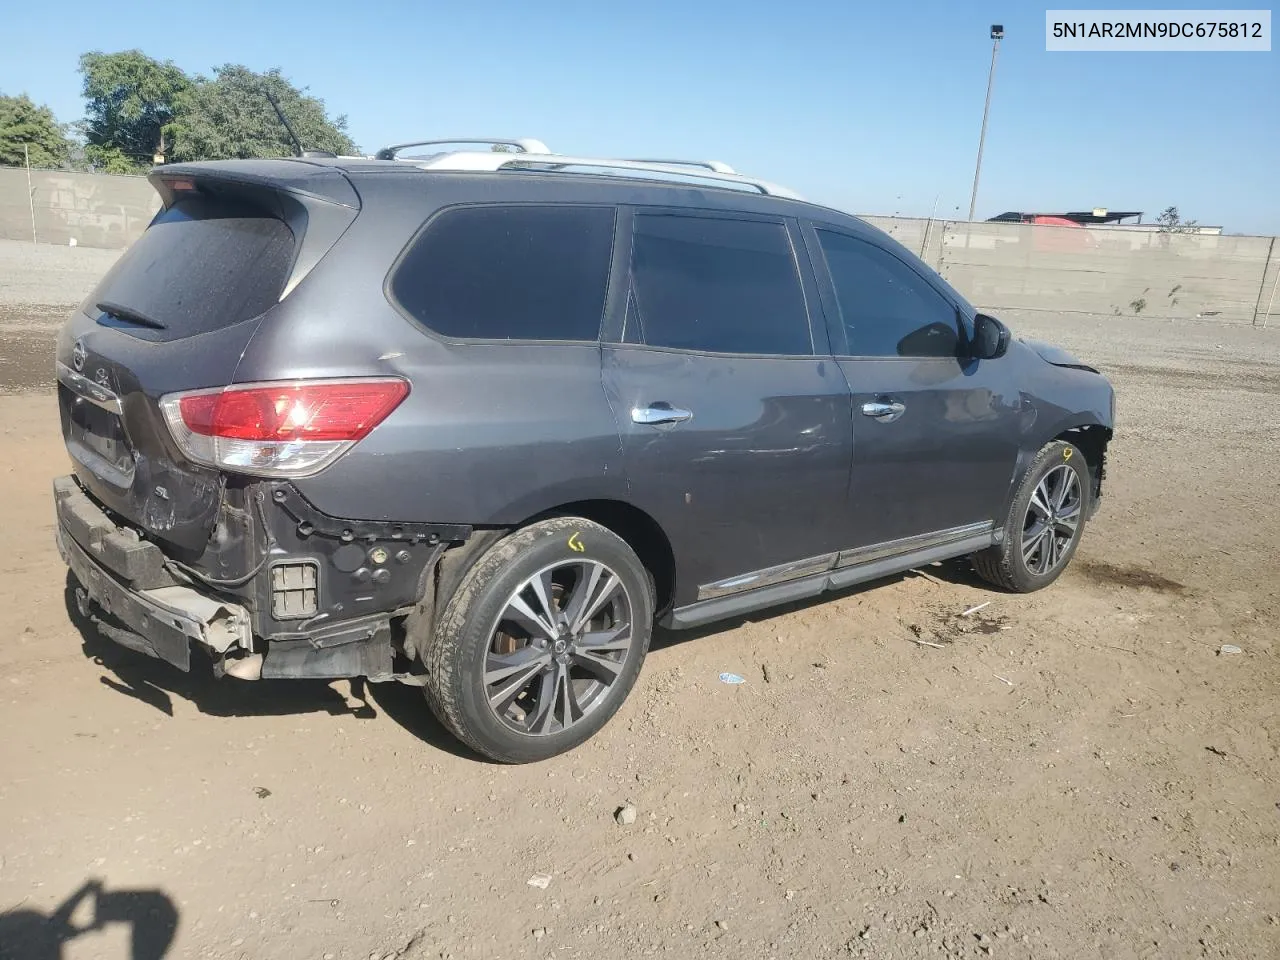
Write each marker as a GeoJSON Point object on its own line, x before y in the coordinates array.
{"type": "Point", "coordinates": [639, 530]}
{"type": "Point", "coordinates": [631, 524]}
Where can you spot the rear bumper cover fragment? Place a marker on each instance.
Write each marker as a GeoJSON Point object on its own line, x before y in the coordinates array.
{"type": "Point", "coordinates": [118, 549]}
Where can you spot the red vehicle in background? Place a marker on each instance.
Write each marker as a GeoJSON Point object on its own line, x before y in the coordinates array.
{"type": "Point", "coordinates": [1078, 240]}
{"type": "Point", "coordinates": [1073, 238]}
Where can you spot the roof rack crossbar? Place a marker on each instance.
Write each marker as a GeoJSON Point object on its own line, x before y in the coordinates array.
{"type": "Point", "coordinates": [490, 161]}
{"type": "Point", "coordinates": [522, 145]}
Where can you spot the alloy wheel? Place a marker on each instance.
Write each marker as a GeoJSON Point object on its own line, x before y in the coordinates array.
{"type": "Point", "coordinates": [558, 646]}
{"type": "Point", "coordinates": [1052, 520]}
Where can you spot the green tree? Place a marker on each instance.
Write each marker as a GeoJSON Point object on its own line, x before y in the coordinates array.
{"type": "Point", "coordinates": [1171, 221]}
{"type": "Point", "coordinates": [24, 122]}
{"type": "Point", "coordinates": [131, 100]}
{"type": "Point", "coordinates": [230, 117]}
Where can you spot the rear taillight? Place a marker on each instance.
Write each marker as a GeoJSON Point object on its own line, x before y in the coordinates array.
{"type": "Point", "coordinates": [287, 429]}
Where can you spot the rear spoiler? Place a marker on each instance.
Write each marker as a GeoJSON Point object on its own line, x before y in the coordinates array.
{"type": "Point", "coordinates": [297, 178]}
{"type": "Point", "coordinates": [317, 201]}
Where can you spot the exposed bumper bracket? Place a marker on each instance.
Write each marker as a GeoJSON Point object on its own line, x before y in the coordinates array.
{"type": "Point", "coordinates": [161, 622]}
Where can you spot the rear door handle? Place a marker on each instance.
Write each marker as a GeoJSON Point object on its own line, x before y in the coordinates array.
{"type": "Point", "coordinates": [886, 411]}
{"type": "Point", "coordinates": [657, 413]}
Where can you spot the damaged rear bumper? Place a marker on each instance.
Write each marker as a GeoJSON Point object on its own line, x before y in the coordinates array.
{"type": "Point", "coordinates": [313, 607]}
{"type": "Point", "coordinates": [161, 622]}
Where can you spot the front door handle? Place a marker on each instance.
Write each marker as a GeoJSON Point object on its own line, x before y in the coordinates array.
{"type": "Point", "coordinates": [886, 411]}
{"type": "Point", "coordinates": [657, 413]}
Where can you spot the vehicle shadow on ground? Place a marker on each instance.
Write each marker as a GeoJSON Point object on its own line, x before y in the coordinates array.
{"type": "Point", "coordinates": [407, 706]}
{"type": "Point", "coordinates": [151, 916]}
{"type": "Point", "coordinates": [958, 572]}
{"type": "Point", "coordinates": [156, 683]}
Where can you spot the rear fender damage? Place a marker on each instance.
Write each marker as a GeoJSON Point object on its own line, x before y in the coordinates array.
{"type": "Point", "coordinates": [230, 599]}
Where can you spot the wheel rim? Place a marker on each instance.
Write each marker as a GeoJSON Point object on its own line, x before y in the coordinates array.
{"type": "Point", "coordinates": [558, 647]}
{"type": "Point", "coordinates": [1052, 520]}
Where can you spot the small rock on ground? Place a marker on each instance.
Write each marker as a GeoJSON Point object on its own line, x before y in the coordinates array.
{"type": "Point", "coordinates": [625, 814]}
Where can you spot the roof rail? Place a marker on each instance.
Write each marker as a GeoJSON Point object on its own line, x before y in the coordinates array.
{"type": "Point", "coordinates": [552, 162]}
{"type": "Point", "coordinates": [522, 145]}
{"type": "Point", "coordinates": [713, 165]}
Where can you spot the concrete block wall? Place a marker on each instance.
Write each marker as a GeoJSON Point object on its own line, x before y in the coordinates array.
{"type": "Point", "coordinates": [996, 265]}
{"type": "Point", "coordinates": [96, 210]}
{"type": "Point", "coordinates": [1105, 272]}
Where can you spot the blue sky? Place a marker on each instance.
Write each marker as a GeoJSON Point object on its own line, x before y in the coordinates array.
{"type": "Point", "coordinates": [870, 107]}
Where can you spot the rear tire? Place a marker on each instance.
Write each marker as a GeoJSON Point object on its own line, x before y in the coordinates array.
{"type": "Point", "coordinates": [1045, 523]}
{"type": "Point", "coordinates": [541, 642]}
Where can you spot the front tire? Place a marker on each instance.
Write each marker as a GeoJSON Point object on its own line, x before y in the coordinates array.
{"type": "Point", "coordinates": [541, 642]}
{"type": "Point", "coordinates": [1045, 522]}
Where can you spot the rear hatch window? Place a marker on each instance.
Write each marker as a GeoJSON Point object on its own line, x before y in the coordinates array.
{"type": "Point", "coordinates": [205, 263]}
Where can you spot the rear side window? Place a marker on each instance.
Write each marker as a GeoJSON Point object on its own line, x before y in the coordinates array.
{"type": "Point", "coordinates": [888, 309]}
{"type": "Point", "coordinates": [203, 264]}
{"type": "Point", "coordinates": [518, 272]}
{"type": "Point", "coordinates": [720, 286]}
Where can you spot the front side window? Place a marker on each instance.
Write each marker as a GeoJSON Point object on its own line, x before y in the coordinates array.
{"type": "Point", "coordinates": [888, 310]}
{"type": "Point", "coordinates": [716, 285]}
{"type": "Point", "coordinates": [515, 272]}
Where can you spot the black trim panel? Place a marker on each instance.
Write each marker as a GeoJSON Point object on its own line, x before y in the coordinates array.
{"type": "Point", "coordinates": [311, 522]}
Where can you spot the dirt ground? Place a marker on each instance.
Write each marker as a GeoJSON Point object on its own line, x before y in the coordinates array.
{"type": "Point", "coordinates": [1076, 773]}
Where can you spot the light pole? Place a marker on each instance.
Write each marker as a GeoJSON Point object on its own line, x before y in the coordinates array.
{"type": "Point", "coordinates": [997, 34]}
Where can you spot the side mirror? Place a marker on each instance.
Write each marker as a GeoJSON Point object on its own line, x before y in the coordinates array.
{"type": "Point", "coordinates": [990, 338]}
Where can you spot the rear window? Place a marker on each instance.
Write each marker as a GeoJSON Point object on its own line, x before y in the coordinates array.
{"type": "Point", "coordinates": [203, 264]}
{"type": "Point", "coordinates": [515, 272]}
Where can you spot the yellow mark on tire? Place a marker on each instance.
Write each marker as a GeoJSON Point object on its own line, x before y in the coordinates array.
{"type": "Point", "coordinates": [576, 545]}
{"type": "Point", "coordinates": [1066, 453]}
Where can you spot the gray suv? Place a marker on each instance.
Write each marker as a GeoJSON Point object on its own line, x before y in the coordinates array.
{"type": "Point", "coordinates": [477, 421]}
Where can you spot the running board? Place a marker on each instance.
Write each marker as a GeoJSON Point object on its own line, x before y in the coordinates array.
{"type": "Point", "coordinates": [720, 608]}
